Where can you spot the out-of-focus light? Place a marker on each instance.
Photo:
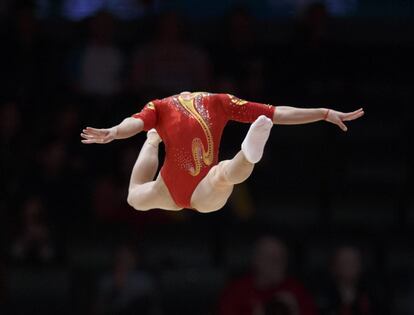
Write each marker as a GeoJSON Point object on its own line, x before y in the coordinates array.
{"type": "Point", "coordinates": [123, 9]}
{"type": "Point", "coordinates": [293, 7]}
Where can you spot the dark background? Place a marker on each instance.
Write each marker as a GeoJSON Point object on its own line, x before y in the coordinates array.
{"type": "Point", "coordinates": [63, 210]}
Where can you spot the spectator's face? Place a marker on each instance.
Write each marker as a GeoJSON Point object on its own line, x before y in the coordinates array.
{"type": "Point", "coordinates": [270, 260]}
{"type": "Point", "coordinates": [347, 265]}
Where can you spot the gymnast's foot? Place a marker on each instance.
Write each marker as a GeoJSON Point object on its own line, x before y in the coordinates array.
{"type": "Point", "coordinates": [153, 138]}
{"type": "Point", "coordinates": [256, 138]}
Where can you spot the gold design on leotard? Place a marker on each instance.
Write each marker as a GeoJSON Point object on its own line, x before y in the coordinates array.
{"type": "Point", "coordinates": [151, 105]}
{"type": "Point", "coordinates": [200, 154]}
{"type": "Point", "coordinates": [236, 100]}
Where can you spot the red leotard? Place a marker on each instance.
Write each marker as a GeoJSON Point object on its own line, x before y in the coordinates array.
{"type": "Point", "coordinates": [191, 130]}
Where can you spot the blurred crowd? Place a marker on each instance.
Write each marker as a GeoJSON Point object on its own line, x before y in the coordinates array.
{"type": "Point", "coordinates": [58, 76]}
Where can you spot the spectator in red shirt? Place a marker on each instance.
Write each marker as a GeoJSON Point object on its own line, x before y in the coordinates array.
{"type": "Point", "coordinates": [350, 292]}
{"type": "Point", "coordinates": [267, 282]}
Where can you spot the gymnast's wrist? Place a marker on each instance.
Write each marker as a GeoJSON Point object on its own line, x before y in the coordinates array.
{"type": "Point", "coordinates": [114, 131]}
{"type": "Point", "coordinates": [325, 113]}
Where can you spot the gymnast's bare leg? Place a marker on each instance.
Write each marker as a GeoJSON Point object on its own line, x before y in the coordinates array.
{"type": "Point", "coordinates": [213, 191]}
{"type": "Point", "coordinates": [144, 193]}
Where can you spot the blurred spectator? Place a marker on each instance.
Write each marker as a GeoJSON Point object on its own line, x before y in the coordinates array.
{"type": "Point", "coordinates": [315, 54]}
{"type": "Point", "coordinates": [100, 62]}
{"type": "Point", "coordinates": [169, 64]}
{"type": "Point", "coordinates": [127, 289]}
{"type": "Point", "coordinates": [348, 294]}
{"type": "Point", "coordinates": [313, 26]}
{"type": "Point", "coordinates": [21, 56]}
{"type": "Point", "coordinates": [268, 281]}
{"type": "Point", "coordinates": [33, 244]}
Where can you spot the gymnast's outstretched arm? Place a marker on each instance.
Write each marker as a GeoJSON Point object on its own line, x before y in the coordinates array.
{"type": "Point", "coordinates": [127, 128]}
{"type": "Point", "coordinates": [285, 115]}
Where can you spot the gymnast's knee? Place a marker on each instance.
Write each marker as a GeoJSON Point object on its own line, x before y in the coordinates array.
{"type": "Point", "coordinates": [137, 202]}
{"type": "Point", "coordinates": [209, 208]}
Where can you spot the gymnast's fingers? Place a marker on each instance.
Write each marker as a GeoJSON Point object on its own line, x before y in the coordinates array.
{"type": "Point", "coordinates": [354, 116]}
{"type": "Point", "coordinates": [342, 125]}
{"type": "Point", "coordinates": [360, 114]}
{"type": "Point", "coordinates": [357, 111]}
{"type": "Point", "coordinates": [90, 141]}
{"type": "Point", "coordinates": [95, 131]}
{"type": "Point", "coordinates": [87, 136]}
{"type": "Point", "coordinates": [89, 132]}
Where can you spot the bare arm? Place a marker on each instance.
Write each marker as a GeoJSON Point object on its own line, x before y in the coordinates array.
{"type": "Point", "coordinates": [127, 128]}
{"type": "Point", "coordinates": [285, 115]}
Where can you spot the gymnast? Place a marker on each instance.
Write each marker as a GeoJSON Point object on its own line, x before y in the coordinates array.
{"type": "Point", "coordinates": [191, 125]}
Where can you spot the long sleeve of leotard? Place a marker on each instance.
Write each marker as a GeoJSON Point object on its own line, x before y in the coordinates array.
{"type": "Point", "coordinates": [244, 111]}
{"type": "Point", "coordinates": [148, 115]}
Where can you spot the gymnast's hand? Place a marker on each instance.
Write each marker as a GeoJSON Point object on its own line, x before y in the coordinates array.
{"type": "Point", "coordinates": [338, 118]}
{"type": "Point", "coordinates": [101, 136]}
{"type": "Point", "coordinates": [127, 128]}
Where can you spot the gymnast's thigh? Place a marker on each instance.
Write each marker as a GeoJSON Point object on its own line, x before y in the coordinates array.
{"type": "Point", "coordinates": [212, 192]}
{"type": "Point", "coordinates": [151, 195]}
